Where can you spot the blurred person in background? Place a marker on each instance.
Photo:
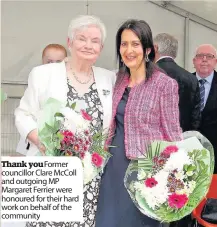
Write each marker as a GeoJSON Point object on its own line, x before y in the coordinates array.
{"type": "Point", "coordinates": [205, 61]}
{"type": "Point", "coordinates": [166, 48]}
{"type": "Point", "coordinates": [53, 53]}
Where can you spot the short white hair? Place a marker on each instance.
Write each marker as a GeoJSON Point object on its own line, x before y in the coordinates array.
{"type": "Point", "coordinates": [85, 21]}
{"type": "Point", "coordinates": [210, 45]}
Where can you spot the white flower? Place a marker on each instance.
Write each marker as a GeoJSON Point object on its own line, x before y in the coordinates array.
{"type": "Point", "coordinates": [156, 195]}
{"type": "Point", "coordinates": [177, 160]}
{"type": "Point", "coordinates": [180, 175]}
{"type": "Point", "coordinates": [88, 169]}
{"type": "Point", "coordinates": [141, 174]}
{"type": "Point", "coordinates": [69, 125]}
{"type": "Point", "coordinates": [188, 188]}
{"type": "Point", "coordinates": [74, 121]}
{"type": "Point", "coordinates": [139, 186]}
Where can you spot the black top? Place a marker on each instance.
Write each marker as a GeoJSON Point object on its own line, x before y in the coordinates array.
{"type": "Point", "coordinates": [115, 207]}
{"type": "Point", "coordinates": [189, 94]}
{"type": "Point", "coordinates": [208, 125]}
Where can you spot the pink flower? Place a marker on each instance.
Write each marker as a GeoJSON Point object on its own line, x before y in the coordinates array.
{"type": "Point", "coordinates": [72, 140]}
{"type": "Point", "coordinates": [155, 159]}
{"type": "Point", "coordinates": [97, 160]}
{"type": "Point", "coordinates": [82, 154]}
{"type": "Point", "coordinates": [68, 137]}
{"type": "Point", "coordinates": [85, 148]}
{"type": "Point", "coordinates": [169, 150]}
{"type": "Point", "coordinates": [66, 141]}
{"type": "Point", "coordinates": [80, 140]}
{"type": "Point", "coordinates": [177, 201]}
{"type": "Point", "coordinates": [150, 182]}
{"type": "Point", "coordinates": [67, 133]}
{"type": "Point", "coordinates": [86, 116]}
{"type": "Point", "coordinates": [86, 132]}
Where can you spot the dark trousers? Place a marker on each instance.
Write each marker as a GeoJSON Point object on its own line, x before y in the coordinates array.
{"type": "Point", "coordinates": [184, 222]}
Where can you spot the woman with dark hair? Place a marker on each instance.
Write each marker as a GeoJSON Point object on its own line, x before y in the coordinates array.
{"type": "Point", "coordinates": [145, 108]}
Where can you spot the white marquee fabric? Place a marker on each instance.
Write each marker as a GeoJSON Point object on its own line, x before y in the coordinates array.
{"type": "Point", "coordinates": [28, 26]}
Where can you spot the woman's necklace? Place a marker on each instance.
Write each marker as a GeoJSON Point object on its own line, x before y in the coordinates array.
{"type": "Point", "coordinates": [82, 82]}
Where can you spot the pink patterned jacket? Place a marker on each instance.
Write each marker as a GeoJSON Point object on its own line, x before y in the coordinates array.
{"type": "Point", "coordinates": [151, 113]}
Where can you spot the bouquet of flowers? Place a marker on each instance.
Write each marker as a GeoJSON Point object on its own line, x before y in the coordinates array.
{"type": "Point", "coordinates": [67, 131]}
{"type": "Point", "coordinates": [172, 179]}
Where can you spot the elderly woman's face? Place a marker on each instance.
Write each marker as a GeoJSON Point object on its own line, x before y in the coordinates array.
{"type": "Point", "coordinates": [87, 44]}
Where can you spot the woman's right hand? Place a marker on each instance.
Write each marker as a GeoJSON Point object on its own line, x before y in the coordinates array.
{"type": "Point", "coordinates": [33, 137]}
{"type": "Point", "coordinates": [41, 148]}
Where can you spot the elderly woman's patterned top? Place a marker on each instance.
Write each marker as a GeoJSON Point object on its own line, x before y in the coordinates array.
{"type": "Point", "coordinates": [91, 102]}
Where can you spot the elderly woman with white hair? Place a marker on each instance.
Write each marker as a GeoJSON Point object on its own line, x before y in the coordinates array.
{"type": "Point", "coordinates": [74, 80]}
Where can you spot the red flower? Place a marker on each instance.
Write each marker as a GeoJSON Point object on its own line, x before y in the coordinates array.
{"type": "Point", "coordinates": [169, 150]}
{"type": "Point", "coordinates": [82, 154]}
{"type": "Point", "coordinates": [175, 171]}
{"type": "Point", "coordinates": [72, 139]}
{"type": "Point", "coordinates": [86, 116]}
{"type": "Point", "coordinates": [85, 148]}
{"type": "Point", "coordinates": [161, 162]}
{"type": "Point", "coordinates": [177, 201]}
{"type": "Point", "coordinates": [68, 137]}
{"type": "Point", "coordinates": [155, 159]}
{"type": "Point", "coordinates": [86, 132]}
{"type": "Point", "coordinates": [70, 134]}
{"type": "Point", "coordinates": [67, 133]}
{"type": "Point", "coordinates": [97, 160]}
{"type": "Point", "coordinates": [150, 182]}
{"type": "Point", "coordinates": [66, 141]}
{"type": "Point", "coordinates": [80, 140]}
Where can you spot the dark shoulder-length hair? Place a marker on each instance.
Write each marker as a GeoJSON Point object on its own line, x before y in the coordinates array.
{"type": "Point", "coordinates": [144, 33]}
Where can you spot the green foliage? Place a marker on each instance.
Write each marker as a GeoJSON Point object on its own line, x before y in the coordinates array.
{"type": "Point", "coordinates": [58, 115]}
{"type": "Point", "coordinates": [51, 138]}
{"type": "Point", "coordinates": [145, 163]}
{"type": "Point", "coordinates": [98, 140]}
{"type": "Point", "coordinates": [73, 105]}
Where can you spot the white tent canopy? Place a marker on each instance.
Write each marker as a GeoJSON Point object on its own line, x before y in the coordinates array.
{"type": "Point", "coordinates": [28, 26]}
